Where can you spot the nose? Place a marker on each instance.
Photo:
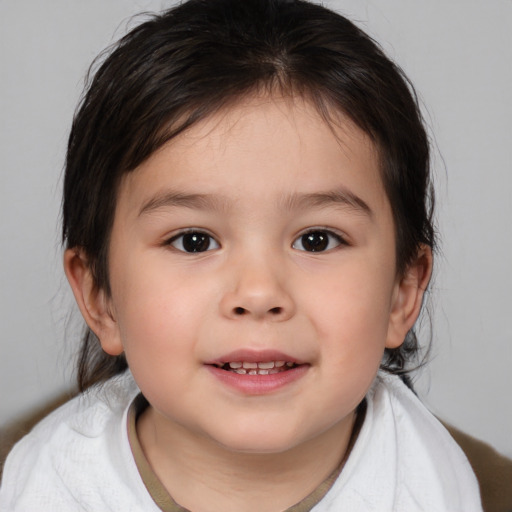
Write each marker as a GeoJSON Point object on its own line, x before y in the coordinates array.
{"type": "Point", "coordinates": [258, 290]}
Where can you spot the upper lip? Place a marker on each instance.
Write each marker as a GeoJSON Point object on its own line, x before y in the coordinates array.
{"type": "Point", "coordinates": [254, 356]}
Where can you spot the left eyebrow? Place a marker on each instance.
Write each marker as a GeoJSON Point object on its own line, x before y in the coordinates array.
{"type": "Point", "coordinates": [172, 199]}
{"type": "Point", "coordinates": [340, 197]}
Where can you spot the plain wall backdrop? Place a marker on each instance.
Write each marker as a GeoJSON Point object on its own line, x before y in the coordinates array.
{"type": "Point", "coordinates": [458, 53]}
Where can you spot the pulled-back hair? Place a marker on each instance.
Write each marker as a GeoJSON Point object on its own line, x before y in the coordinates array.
{"type": "Point", "coordinates": [183, 65]}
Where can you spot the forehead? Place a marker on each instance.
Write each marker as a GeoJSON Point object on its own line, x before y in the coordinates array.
{"type": "Point", "coordinates": [259, 148]}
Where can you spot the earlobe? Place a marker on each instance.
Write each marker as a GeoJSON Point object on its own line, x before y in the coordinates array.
{"type": "Point", "coordinates": [408, 297]}
{"type": "Point", "coordinates": [92, 301]}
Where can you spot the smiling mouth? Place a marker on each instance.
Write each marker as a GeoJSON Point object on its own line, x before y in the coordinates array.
{"type": "Point", "coordinates": [261, 368]}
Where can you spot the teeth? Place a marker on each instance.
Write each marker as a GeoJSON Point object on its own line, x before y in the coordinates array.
{"type": "Point", "coordinates": [266, 366]}
{"type": "Point", "coordinates": [263, 368]}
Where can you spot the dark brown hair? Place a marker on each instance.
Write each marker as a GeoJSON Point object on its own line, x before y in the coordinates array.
{"type": "Point", "coordinates": [184, 64]}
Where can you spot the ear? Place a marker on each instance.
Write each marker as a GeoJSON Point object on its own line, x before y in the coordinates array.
{"type": "Point", "coordinates": [92, 301]}
{"type": "Point", "coordinates": [408, 297]}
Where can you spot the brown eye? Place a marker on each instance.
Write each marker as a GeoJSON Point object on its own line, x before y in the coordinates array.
{"type": "Point", "coordinates": [194, 241]}
{"type": "Point", "coordinates": [317, 241]}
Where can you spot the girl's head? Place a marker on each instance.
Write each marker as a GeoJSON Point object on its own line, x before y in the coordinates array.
{"type": "Point", "coordinates": [206, 56]}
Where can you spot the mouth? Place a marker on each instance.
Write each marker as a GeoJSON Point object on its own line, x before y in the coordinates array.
{"type": "Point", "coordinates": [258, 372]}
{"type": "Point", "coordinates": [256, 368]}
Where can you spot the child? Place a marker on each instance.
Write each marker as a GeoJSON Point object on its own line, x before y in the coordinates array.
{"type": "Point", "coordinates": [247, 221]}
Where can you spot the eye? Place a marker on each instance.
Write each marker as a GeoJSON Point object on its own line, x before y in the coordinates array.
{"type": "Point", "coordinates": [318, 241]}
{"type": "Point", "coordinates": [194, 241]}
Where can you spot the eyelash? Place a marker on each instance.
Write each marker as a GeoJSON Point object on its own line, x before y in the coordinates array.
{"type": "Point", "coordinates": [205, 238]}
{"type": "Point", "coordinates": [326, 241]}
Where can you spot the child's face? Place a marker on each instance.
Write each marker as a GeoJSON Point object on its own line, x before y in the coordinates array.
{"type": "Point", "coordinates": [294, 262]}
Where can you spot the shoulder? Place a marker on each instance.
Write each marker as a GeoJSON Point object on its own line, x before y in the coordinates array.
{"type": "Point", "coordinates": [404, 459]}
{"type": "Point", "coordinates": [430, 458]}
{"type": "Point", "coordinates": [493, 470]}
{"type": "Point", "coordinates": [84, 417]}
{"type": "Point", "coordinates": [57, 463]}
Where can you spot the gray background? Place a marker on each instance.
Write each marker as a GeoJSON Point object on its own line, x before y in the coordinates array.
{"type": "Point", "coordinates": [458, 53]}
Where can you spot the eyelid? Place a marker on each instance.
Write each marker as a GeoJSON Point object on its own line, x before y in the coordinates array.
{"type": "Point", "coordinates": [169, 241]}
{"type": "Point", "coordinates": [340, 238]}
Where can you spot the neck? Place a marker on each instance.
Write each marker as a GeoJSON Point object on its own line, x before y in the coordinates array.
{"type": "Point", "coordinates": [202, 475]}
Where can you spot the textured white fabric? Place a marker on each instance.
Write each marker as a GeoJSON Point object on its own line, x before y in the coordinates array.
{"type": "Point", "coordinates": [79, 459]}
{"type": "Point", "coordinates": [404, 460]}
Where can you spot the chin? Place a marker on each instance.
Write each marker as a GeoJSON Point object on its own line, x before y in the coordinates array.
{"type": "Point", "coordinates": [259, 441]}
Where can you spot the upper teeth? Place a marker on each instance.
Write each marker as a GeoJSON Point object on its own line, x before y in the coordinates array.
{"type": "Point", "coordinates": [262, 366]}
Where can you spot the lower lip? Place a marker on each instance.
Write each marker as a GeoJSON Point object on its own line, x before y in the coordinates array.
{"type": "Point", "coordinates": [259, 384]}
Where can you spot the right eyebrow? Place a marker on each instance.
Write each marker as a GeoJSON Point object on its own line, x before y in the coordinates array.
{"type": "Point", "coordinates": [172, 199]}
{"type": "Point", "coordinates": [341, 197]}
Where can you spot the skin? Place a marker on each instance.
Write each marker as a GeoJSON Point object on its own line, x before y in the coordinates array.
{"type": "Point", "coordinates": [272, 170]}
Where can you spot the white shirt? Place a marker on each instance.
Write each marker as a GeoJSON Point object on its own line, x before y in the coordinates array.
{"type": "Point", "coordinates": [79, 459]}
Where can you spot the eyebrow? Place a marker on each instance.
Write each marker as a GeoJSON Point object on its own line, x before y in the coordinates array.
{"type": "Point", "coordinates": [340, 197]}
{"type": "Point", "coordinates": [172, 199]}
{"type": "Point", "coordinates": [337, 198]}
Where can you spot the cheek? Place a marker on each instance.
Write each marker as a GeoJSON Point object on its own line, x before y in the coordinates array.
{"type": "Point", "coordinates": [353, 316]}
{"type": "Point", "coordinates": [159, 331]}
{"type": "Point", "coordinates": [158, 314]}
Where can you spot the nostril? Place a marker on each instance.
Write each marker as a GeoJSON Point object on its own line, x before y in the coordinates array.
{"type": "Point", "coordinates": [240, 311]}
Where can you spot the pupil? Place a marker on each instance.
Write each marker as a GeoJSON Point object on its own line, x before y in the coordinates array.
{"type": "Point", "coordinates": [196, 242]}
{"type": "Point", "coordinates": [315, 241]}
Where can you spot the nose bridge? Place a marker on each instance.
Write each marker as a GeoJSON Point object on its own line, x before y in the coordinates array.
{"type": "Point", "coordinates": [258, 288]}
